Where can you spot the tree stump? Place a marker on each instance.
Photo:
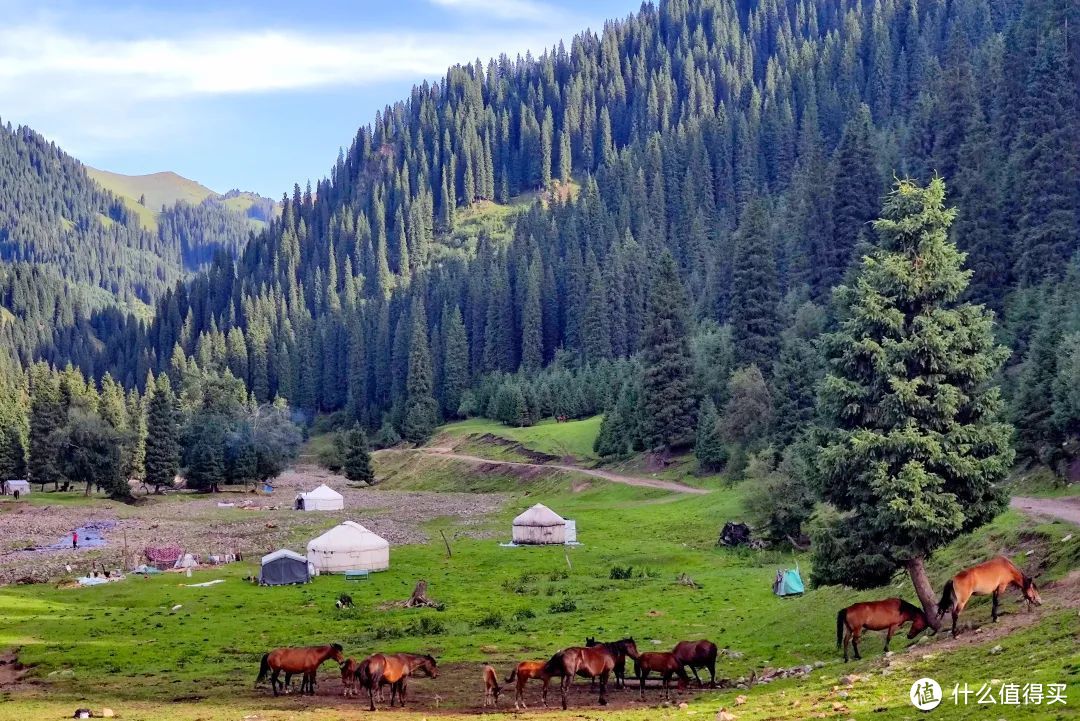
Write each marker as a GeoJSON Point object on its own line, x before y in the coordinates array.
{"type": "Point", "coordinates": [419, 598]}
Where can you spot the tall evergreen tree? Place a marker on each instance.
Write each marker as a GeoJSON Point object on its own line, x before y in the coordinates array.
{"type": "Point", "coordinates": [755, 291]}
{"type": "Point", "coordinates": [421, 410]}
{"type": "Point", "coordinates": [357, 458]}
{"type": "Point", "coordinates": [46, 420]}
{"type": "Point", "coordinates": [162, 460]}
{"type": "Point", "coordinates": [669, 400]}
{"type": "Point", "coordinates": [856, 194]}
{"type": "Point", "coordinates": [913, 445]}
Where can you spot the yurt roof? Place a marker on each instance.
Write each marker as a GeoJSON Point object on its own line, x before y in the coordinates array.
{"type": "Point", "coordinates": [349, 536]}
{"type": "Point", "coordinates": [323, 492]}
{"type": "Point", "coordinates": [282, 553]}
{"type": "Point", "coordinates": [539, 515]}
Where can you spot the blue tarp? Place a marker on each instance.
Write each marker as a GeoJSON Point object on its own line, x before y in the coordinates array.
{"type": "Point", "coordinates": [789, 582]}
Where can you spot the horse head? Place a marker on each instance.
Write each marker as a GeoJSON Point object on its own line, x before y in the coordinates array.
{"type": "Point", "coordinates": [918, 624]}
{"type": "Point", "coordinates": [1031, 593]}
{"type": "Point", "coordinates": [429, 665]}
{"type": "Point", "coordinates": [590, 641]}
{"type": "Point", "coordinates": [629, 647]}
{"type": "Point", "coordinates": [337, 652]}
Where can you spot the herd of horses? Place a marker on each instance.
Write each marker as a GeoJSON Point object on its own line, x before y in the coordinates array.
{"type": "Point", "coordinates": [598, 661]}
{"type": "Point", "coordinates": [991, 578]}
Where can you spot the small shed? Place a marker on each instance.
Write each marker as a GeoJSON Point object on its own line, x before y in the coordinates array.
{"type": "Point", "coordinates": [349, 547]}
{"type": "Point", "coordinates": [540, 525]}
{"type": "Point", "coordinates": [323, 498]}
{"type": "Point", "coordinates": [284, 567]}
{"type": "Point", "coordinates": [22, 486]}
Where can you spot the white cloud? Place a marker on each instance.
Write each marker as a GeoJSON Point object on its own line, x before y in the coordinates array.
{"type": "Point", "coordinates": [514, 9]}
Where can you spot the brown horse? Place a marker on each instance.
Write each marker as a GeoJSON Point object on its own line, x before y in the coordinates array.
{"type": "Point", "coordinates": [393, 669]}
{"type": "Point", "coordinates": [620, 650]}
{"type": "Point", "coordinates": [348, 677]}
{"type": "Point", "coordinates": [887, 615]}
{"type": "Point", "coordinates": [993, 577]}
{"type": "Point", "coordinates": [698, 654]}
{"type": "Point", "coordinates": [522, 673]}
{"type": "Point", "coordinates": [666, 664]}
{"type": "Point", "coordinates": [591, 662]}
{"type": "Point", "coordinates": [297, 660]}
{"type": "Point", "coordinates": [491, 686]}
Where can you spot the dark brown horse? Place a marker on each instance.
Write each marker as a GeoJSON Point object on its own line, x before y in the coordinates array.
{"type": "Point", "coordinates": [993, 577]}
{"type": "Point", "coordinates": [698, 654]}
{"type": "Point", "coordinates": [620, 650]}
{"type": "Point", "coordinates": [304, 660]}
{"type": "Point", "coordinates": [664, 663]}
{"type": "Point", "coordinates": [591, 662]}
{"type": "Point", "coordinates": [522, 673]}
{"type": "Point", "coordinates": [393, 669]}
{"type": "Point", "coordinates": [887, 615]}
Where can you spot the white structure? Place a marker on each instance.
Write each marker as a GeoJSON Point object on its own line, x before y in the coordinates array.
{"type": "Point", "coordinates": [348, 547]}
{"type": "Point", "coordinates": [539, 525]}
{"type": "Point", "coordinates": [323, 498]}
{"type": "Point", "coordinates": [571, 531]}
{"type": "Point", "coordinates": [23, 487]}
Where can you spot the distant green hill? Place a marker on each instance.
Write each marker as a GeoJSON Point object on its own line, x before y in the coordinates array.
{"type": "Point", "coordinates": [165, 188]}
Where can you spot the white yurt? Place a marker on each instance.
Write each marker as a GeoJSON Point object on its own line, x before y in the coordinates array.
{"type": "Point", "coordinates": [323, 498]}
{"type": "Point", "coordinates": [349, 547]}
{"type": "Point", "coordinates": [539, 525]}
{"type": "Point", "coordinates": [22, 486]}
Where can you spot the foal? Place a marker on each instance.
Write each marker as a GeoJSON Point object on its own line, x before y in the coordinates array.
{"type": "Point", "coordinates": [491, 687]}
{"type": "Point", "coordinates": [993, 577]}
{"type": "Point", "coordinates": [663, 662]}
{"type": "Point", "coordinates": [522, 673]}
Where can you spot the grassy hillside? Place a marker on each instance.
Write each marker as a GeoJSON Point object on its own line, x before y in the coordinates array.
{"type": "Point", "coordinates": [574, 438]}
{"type": "Point", "coordinates": [135, 644]}
{"type": "Point", "coordinates": [166, 188]}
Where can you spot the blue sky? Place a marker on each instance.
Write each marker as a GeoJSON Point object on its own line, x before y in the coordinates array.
{"type": "Point", "coordinates": [255, 95]}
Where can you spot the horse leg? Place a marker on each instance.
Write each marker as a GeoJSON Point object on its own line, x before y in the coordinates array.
{"type": "Point", "coordinates": [855, 643]}
{"type": "Point", "coordinates": [994, 607]}
{"type": "Point", "coordinates": [274, 680]}
{"type": "Point", "coordinates": [643, 673]}
{"type": "Point", "coordinates": [603, 687]}
{"type": "Point", "coordinates": [712, 673]}
{"type": "Point", "coordinates": [565, 686]}
{"type": "Point", "coordinates": [667, 687]}
{"type": "Point", "coordinates": [699, 683]}
{"type": "Point", "coordinates": [371, 697]}
{"type": "Point", "coordinates": [620, 672]}
{"type": "Point", "coordinates": [847, 640]}
{"type": "Point", "coordinates": [888, 636]}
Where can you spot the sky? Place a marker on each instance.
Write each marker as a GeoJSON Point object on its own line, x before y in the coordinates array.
{"type": "Point", "coordinates": [245, 94]}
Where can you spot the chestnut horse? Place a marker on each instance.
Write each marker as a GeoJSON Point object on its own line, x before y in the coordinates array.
{"type": "Point", "coordinates": [393, 669]}
{"type": "Point", "coordinates": [887, 615]}
{"type": "Point", "coordinates": [993, 577]}
{"type": "Point", "coordinates": [297, 660]}
{"type": "Point", "coordinates": [522, 673]}
{"type": "Point", "coordinates": [697, 654]}
{"type": "Point", "coordinates": [666, 664]}
{"type": "Point", "coordinates": [587, 661]}
{"type": "Point", "coordinates": [349, 679]}
{"type": "Point", "coordinates": [620, 650]}
{"type": "Point", "coordinates": [491, 686]}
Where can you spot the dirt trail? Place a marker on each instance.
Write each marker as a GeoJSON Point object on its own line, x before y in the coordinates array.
{"type": "Point", "coordinates": [1066, 509]}
{"type": "Point", "coordinates": [443, 452]}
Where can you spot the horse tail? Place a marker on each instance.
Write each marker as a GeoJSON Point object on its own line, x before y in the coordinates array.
{"type": "Point", "coordinates": [512, 676]}
{"type": "Point", "coordinates": [841, 621]}
{"type": "Point", "coordinates": [264, 668]}
{"type": "Point", "coordinates": [948, 596]}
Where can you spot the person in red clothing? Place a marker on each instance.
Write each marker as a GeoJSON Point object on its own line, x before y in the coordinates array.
{"type": "Point", "coordinates": [75, 540]}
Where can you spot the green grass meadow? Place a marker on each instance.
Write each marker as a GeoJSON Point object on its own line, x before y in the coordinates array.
{"type": "Point", "coordinates": [122, 645]}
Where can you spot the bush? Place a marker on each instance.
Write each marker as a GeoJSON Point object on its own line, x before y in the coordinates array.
{"type": "Point", "coordinates": [524, 614]}
{"type": "Point", "coordinates": [491, 620]}
{"type": "Point", "coordinates": [618, 573]}
{"type": "Point", "coordinates": [426, 626]}
{"type": "Point", "coordinates": [558, 574]}
{"type": "Point", "coordinates": [566, 605]}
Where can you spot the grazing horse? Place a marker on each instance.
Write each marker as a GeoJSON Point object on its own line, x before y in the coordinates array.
{"type": "Point", "coordinates": [666, 664]}
{"type": "Point", "coordinates": [491, 686]}
{"type": "Point", "coordinates": [348, 677]}
{"type": "Point", "coordinates": [297, 660]}
{"type": "Point", "coordinates": [587, 661]}
{"type": "Point", "coordinates": [393, 669]}
{"type": "Point", "coordinates": [887, 615]}
{"type": "Point", "coordinates": [620, 650]}
{"type": "Point", "coordinates": [993, 577]}
{"type": "Point", "coordinates": [698, 654]}
{"type": "Point", "coordinates": [523, 672]}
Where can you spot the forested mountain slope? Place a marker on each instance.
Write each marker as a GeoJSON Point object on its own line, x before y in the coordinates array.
{"type": "Point", "coordinates": [752, 140]}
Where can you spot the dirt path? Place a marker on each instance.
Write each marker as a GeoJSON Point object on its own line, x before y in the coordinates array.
{"type": "Point", "coordinates": [1066, 509]}
{"type": "Point", "coordinates": [443, 452]}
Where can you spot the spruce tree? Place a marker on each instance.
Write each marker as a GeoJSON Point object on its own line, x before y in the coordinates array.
{"type": "Point", "coordinates": [755, 291]}
{"type": "Point", "coordinates": [669, 401]}
{"type": "Point", "coordinates": [46, 419]}
{"type": "Point", "coordinates": [856, 195]}
{"type": "Point", "coordinates": [162, 436]}
{"type": "Point", "coordinates": [455, 374]}
{"type": "Point", "coordinates": [532, 340]}
{"type": "Point", "coordinates": [421, 410]}
{"type": "Point", "coordinates": [709, 448]}
{"type": "Point", "coordinates": [357, 457]}
{"type": "Point", "coordinates": [912, 445]}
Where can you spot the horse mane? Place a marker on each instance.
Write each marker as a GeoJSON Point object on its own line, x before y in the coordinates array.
{"type": "Point", "coordinates": [910, 607]}
{"type": "Point", "coordinates": [431, 658]}
{"type": "Point", "coordinates": [337, 647]}
{"type": "Point", "coordinates": [553, 664]}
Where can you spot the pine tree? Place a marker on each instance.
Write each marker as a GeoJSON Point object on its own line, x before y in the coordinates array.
{"type": "Point", "coordinates": [709, 448]}
{"type": "Point", "coordinates": [532, 350]}
{"type": "Point", "coordinates": [755, 291]}
{"type": "Point", "coordinates": [46, 419]}
{"type": "Point", "coordinates": [421, 410]}
{"type": "Point", "coordinates": [669, 402]}
{"type": "Point", "coordinates": [912, 447]}
{"type": "Point", "coordinates": [357, 457]}
{"type": "Point", "coordinates": [455, 373]}
{"type": "Point", "coordinates": [856, 195]}
{"type": "Point", "coordinates": [162, 460]}
{"type": "Point", "coordinates": [12, 454]}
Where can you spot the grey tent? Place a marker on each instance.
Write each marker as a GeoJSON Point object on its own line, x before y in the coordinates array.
{"type": "Point", "coordinates": [283, 567]}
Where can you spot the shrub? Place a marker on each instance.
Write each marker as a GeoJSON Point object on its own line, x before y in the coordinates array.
{"type": "Point", "coordinates": [618, 573]}
{"type": "Point", "coordinates": [566, 605]}
{"type": "Point", "coordinates": [524, 614]}
{"type": "Point", "coordinates": [491, 620]}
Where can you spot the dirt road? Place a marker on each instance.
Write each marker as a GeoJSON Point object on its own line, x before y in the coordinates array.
{"type": "Point", "coordinates": [1065, 509]}
{"type": "Point", "coordinates": [606, 475]}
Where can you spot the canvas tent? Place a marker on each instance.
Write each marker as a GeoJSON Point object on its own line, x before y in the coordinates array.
{"type": "Point", "coordinates": [323, 498]}
{"type": "Point", "coordinates": [540, 525]}
{"type": "Point", "coordinates": [22, 486]}
{"type": "Point", "coordinates": [789, 582]}
{"type": "Point", "coordinates": [349, 547]}
{"type": "Point", "coordinates": [283, 567]}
